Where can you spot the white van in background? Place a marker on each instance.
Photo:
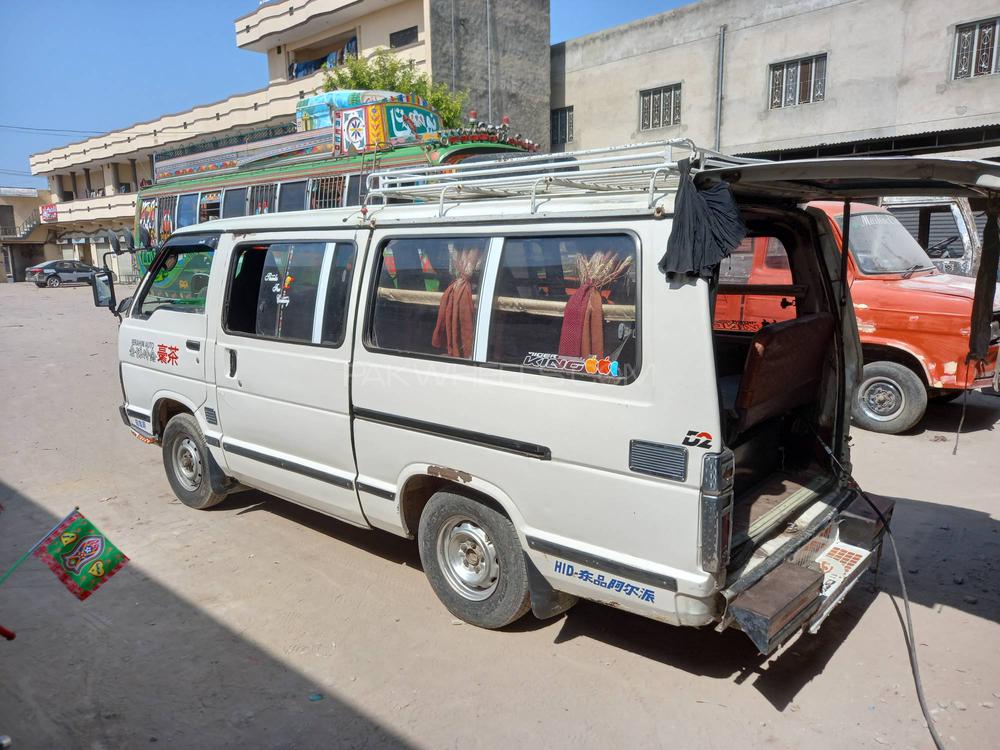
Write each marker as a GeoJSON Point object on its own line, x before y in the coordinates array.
{"type": "Point", "coordinates": [500, 370]}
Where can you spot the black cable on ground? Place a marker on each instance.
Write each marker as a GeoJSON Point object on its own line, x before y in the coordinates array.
{"type": "Point", "coordinates": [911, 644]}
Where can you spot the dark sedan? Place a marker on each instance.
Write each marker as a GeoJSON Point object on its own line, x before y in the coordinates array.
{"type": "Point", "coordinates": [55, 273]}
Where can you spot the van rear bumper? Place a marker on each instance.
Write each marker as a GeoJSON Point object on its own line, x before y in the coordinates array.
{"type": "Point", "coordinates": [799, 584]}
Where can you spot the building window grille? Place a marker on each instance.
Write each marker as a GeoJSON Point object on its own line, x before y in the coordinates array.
{"type": "Point", "coordinates": [976, 49]}
{"type": "Point", "coordinates": [562, 125]}
{"type": "Point", "coordinates": [795, 82]}
{"type": "Point", "coordinates": [660, 107]}
{"type": "Point", "coordinates": [403, 37]}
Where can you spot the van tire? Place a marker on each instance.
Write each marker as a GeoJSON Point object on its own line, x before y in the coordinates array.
{"type": "Point", "coordinates": [891, 398]}
{"type": "Point", "coordinates": [186, 462]}
{"type": "Point", "coordinates": [495, 591]}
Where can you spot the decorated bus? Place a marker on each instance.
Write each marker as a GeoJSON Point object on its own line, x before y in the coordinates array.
{"type": "Point", "coordinates": [320, 161]}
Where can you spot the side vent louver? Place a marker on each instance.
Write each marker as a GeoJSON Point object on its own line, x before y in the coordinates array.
{"type": "Point", "coordinates": [210, 416]}
{"type": "Point", "coordinates": [658, 459]}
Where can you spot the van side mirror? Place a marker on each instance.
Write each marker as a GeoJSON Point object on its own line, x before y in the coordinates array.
{"type": "Point", "coordinates": [104, 290]}
{"type": "Point", "coordinates": [145, 238]}
{"type": "Point", "coordinates": [123, 306]}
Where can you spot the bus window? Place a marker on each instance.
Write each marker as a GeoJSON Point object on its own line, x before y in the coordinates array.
{"type": "Point", "coordinates": [292, 196]}
{"type": "Point", "coordinates": [262, 199]}
{"type": "Point", "coordinates": [187, 210]}
{"type": "Point", "coordinates": [210, 206]}
{"type": "Point", "coordinates": [234, 203]}
{"type": "Point", "coordinates": [165, 211]}
{"type": "Point", "coordinates": [353, 190]}
{"type": "Point", "coordinates": [327, 192]}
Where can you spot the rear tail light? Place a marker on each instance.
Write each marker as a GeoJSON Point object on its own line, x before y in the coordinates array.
{"type": "Point", "coordinates": [718, 472]}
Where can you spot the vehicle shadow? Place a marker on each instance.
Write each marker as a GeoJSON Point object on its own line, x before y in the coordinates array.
{"type": "Point", "coordinates": [138, 664]}
{"type": "Point", "coordinates": [939, 544]}
{"type": "Point", "coordinates": [982, 412]}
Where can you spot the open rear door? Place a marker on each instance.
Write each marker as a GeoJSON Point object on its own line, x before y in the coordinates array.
{"type": "Point", "coordinates": [788, 592]}
{"type": "Point", "coordinates": [875, 177]}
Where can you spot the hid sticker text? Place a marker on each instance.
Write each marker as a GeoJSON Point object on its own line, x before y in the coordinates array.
{"type": "Point", "coordinates": [585, 575]}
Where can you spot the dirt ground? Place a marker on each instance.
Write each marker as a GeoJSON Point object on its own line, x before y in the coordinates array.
{"type": "Point", "coordinates": [260, 624]}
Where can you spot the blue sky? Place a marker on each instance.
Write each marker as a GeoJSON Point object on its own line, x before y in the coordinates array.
{"type": "Point", "coordinates": [61, 71]}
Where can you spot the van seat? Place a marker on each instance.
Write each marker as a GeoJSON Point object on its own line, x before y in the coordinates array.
{"type": "Point", "coordinates": [783, 370]}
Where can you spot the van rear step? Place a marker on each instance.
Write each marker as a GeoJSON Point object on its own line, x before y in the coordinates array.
{"type": "Point", "coordinates": [792, 597]}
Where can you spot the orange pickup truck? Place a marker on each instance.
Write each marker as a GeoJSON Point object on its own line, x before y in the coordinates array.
{"type": "Point", "coordinates": [913, 320]}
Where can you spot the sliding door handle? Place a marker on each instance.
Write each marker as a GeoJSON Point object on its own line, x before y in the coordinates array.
{"type": "Point", "coordinates": [232, 362]}
{"type": "Point", "coordinates": [193, 345]}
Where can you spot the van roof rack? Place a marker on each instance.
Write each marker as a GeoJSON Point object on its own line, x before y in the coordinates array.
{"type": "Point", "coordinates": [642, 168]}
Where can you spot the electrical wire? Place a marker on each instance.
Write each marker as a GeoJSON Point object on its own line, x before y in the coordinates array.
{"type": "Point", "coordinates": [911, 643]}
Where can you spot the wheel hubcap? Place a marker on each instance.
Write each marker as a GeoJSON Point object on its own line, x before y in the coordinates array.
{"type": "Point", "coordinates": [882, 399]}
{"type": "Point", "coordinates": [468, 559]}
{"type": "Point", "coordinates": [187, 464]}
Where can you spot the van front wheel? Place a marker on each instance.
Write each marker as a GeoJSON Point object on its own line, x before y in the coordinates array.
{"type": "Point", "coordinates": [891, 399]}
{"type": "Point", "coordinates": [185, 459]}
{"type": "Point", "coordinates": [473, 560]}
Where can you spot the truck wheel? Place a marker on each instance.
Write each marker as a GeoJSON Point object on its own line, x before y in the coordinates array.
{"type": "Point", "coordinates": [53, 281]}
{"type": "Point", "coordinates": [891, 399]}
{"type": "Point", "coordinates": [185, 459]}
{"type": "Point", "coordinates": [473, 560]}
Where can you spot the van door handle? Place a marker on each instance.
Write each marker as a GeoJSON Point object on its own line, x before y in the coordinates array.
{"type": "Point", "coordinates": [193, 345]}
{"type": "Point", "coordinates": [232, 362]}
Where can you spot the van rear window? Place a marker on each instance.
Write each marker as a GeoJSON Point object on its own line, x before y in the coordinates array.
{"type": "Point", "coordinates": [567, 303]}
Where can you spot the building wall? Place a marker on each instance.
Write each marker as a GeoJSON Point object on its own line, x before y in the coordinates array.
{"type": "Point", "coordinates": [515, 82]}
{"type": "Point", "coordinates": [889, 68]}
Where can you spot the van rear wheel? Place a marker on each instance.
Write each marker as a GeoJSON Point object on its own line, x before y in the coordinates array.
{"type": "Point", "coordinates": [185, 459]}
{"type": "Point", "coordinates": [473, 560]}
{"type": "Point", "coordinates": [892, 398]}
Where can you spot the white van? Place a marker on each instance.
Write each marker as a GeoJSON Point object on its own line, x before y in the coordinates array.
{"type": "Point", "coordinates": [499, 369]}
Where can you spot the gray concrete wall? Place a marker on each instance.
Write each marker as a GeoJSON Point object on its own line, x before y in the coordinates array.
{"type": "Point", "coordinates": [519, 46]}
{"type": "Point", "coordinates": [888, 72]}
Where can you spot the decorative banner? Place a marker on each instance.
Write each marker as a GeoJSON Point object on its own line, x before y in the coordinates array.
{"type": "Point", "coordinates": [376, 124]}
{"type": "Point", "coordinates": [80, 555]}
{"type": "Point", "coordinates": [354, 129]}
{"type": "Point", "coordinates": [408, 122]}
{"type": "Point", "coordinates": [48, 212]}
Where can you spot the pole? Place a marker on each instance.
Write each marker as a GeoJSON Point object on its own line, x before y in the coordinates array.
{"type": "Point", "coordinates": [489, 63]}
{"type": "Point", "coordinates": [36, 545]}
{"type": "Point", "coordinates": [720, 79]}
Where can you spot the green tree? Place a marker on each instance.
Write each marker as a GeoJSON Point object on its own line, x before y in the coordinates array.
{"type": "Point", "coordinates": [387, 72]}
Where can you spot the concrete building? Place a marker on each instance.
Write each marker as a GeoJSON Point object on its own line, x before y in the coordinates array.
{"type": "Point", "coordinates": [497, 50]}
{"type": "Point", "coordinates": [788, 78]}
{"type": "Point", "coordinates": [23, 240]}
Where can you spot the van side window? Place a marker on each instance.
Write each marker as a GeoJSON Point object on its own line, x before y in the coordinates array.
{"type": "Point", "coordinates": [180, 281]}
{"type": "Point", "coordinates": [427, 296]}
{"type": "Point", "coordinates": [567, 304]}
{"type": "Point", "coordinates": [276, 291]}
{"type": "Point", "coordinates": [338, 295]}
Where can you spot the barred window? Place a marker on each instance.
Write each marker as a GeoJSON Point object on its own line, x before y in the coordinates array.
{"type": "Point", "coordinates": [976, 49]}
{"type": "Point", "coordinates": [801, 81]}
{"type": "Point", "coordinates": [562, 125]}
{"type": "Point", "coordinates": [660, 107]}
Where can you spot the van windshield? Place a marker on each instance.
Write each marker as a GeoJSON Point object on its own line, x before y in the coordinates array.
{"type": "Point", "coordinates": [880, 244]}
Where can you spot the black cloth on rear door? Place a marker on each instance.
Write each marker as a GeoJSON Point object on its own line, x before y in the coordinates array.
{"type": "Point", "coordinates": [707, 227]}
{"type": "Point", "coordinates": [986, 284]}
